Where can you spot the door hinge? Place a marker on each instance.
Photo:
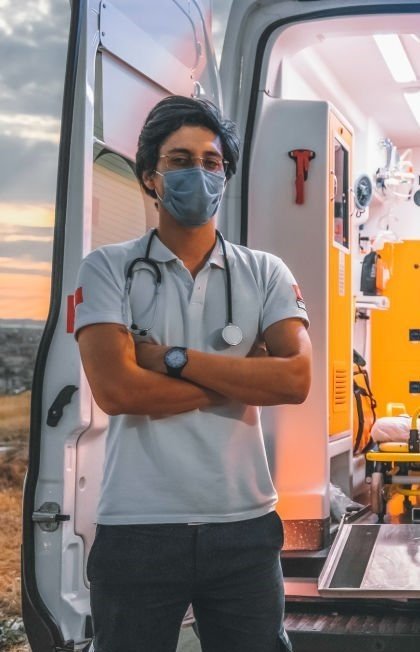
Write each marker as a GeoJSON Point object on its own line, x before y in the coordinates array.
{"type": "Point", "coordinates": [49, 517]}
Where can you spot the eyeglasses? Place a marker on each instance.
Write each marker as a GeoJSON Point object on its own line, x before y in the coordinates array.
{"type": "Point", "coordinates": [185, 161]}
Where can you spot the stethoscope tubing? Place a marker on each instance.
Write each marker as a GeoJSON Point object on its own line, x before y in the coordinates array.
{"type": "Point", "coordinates": [228, 278]}
{"type": "Point", "coordinates": [152, 263]}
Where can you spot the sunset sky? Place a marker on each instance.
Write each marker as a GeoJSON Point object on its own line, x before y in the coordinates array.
{"type": "Point", "coordinates": [33, 41]}
{"type": "Point", "coordinates": [33, 47]}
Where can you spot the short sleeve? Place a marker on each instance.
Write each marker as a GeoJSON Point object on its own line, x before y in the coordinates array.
{"type": "Point", "coordinates": [100, 292]}
{"type": "Point", "coordinates": [283, 298]}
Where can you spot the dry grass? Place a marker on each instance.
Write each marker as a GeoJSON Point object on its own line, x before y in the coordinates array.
{"type": "Point", "coordinates": [14, 418]}
{"type": "Point", "coordinates": [12, 469]}
{"type": "Point", "coordinates": [10, 537]}
{"type": "Point", "coordinates": [14, 428]}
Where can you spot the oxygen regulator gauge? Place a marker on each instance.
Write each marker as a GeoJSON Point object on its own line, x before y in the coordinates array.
{"type": "Point", "coordinates": [363, 192]}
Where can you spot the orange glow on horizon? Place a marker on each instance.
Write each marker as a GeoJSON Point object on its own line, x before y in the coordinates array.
{"type": "Point", "coordinates": [27, 214]}
{"type": "Point", "coordinates": [24, 296]}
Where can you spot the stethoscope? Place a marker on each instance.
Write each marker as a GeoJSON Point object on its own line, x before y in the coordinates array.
{"type": "Point", "coordinates": [231, 334]}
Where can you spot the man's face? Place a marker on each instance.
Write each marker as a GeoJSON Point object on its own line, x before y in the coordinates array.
{"type": "Point", "coordinates": [187, 147]}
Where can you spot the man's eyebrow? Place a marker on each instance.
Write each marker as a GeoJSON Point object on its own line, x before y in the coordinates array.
{"type": "Point", "coordinates": [184, 150]}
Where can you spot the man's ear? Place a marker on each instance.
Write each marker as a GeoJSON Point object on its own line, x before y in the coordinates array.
{"type": "Point", "coordinates": [148, 180]}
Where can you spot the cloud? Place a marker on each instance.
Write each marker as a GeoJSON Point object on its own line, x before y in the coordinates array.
{"type": "Point", "coordinates": [28, 170]}
{"type": "Point", "coordinates": [18, 231]}
{"type": "Point", "coordinates": [26, 249]}
{"type": "Point", "coordinates": [21, 214]}
{"type": "Point", "coordinates": [13, 266]}
{"type": "Point", "coordinates": [33, 46]}
{"type": "Point", "coordinates": [30, 127]}
{"type": "Point", "coordinates": [29, 238]}
{"type": "Point", "coordinates": [29, 15]}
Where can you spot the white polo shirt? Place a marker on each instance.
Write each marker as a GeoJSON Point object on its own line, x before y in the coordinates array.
{"type": "Point", "coordinates": [207, 464]}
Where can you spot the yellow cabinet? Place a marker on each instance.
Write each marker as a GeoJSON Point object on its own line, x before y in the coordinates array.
{"type": "Point", "coordinates": [339, 277]}
{"type": "Point", "coordinates": [396, 332]}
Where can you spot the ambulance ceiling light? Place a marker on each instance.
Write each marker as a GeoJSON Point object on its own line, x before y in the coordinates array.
{"type": "Point", "coordinates": [395, 57]}
{"type": "Point", "coordinates": [413, 101]}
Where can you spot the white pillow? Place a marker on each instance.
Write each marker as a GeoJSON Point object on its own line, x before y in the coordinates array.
{"type": "Point", "coordinates": [392, 428]}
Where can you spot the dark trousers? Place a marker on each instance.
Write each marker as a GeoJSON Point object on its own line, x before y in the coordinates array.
{"type": "Point", "coordinates": [143, 578]}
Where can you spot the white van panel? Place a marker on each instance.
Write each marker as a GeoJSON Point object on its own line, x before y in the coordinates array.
{"type": "Point", "coordinates": [123, 118]}
{"type": "Point", "coordinates": [144, 53]}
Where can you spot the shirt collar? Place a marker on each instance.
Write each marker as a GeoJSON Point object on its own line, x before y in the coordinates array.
{"type": "Point", "coordinates": [216, 257]}
{"type": "Point", "coordinates": [161, 254]}
{"type": "Point", "coordinates": [158, 251]}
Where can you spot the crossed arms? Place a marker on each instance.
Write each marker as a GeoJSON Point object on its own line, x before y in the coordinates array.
{"type": "Point", "coordinates": [131, 379]}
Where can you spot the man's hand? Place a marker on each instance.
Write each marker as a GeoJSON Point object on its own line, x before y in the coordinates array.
{"type": "Point", "coordinates": [150, 355]}
{"type": "Point", "coordinates": [259, 350]}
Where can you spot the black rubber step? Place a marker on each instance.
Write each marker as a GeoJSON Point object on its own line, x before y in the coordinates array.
{"type": "Point", "coordinates": [346, 632]}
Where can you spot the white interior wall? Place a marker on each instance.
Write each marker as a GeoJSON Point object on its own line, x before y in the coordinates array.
{"type": "Point", "coordinates": [307, 78]}
{"type": "Point", "coordinates": [319, 84]}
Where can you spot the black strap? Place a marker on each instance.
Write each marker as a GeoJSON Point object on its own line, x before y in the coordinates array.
{"type": "Point", "coordinates": [358, 391]}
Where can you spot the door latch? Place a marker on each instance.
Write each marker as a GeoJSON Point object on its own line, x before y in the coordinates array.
{"type": "Point", "coordinates": [62, 399]}
{"type": "Point", "coordinates": [49, 517]}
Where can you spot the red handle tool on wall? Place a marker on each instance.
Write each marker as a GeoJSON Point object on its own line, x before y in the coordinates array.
{"type": "Point", "coordinates": [302, 157]}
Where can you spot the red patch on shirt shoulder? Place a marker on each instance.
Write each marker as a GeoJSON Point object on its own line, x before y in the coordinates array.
{"type": "Point", "coordinates": [78, 296]}
{"type": "Point", "coordinates": [297, 292]}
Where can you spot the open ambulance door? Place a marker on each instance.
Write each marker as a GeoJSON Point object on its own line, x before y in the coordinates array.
{"type": "Point", "coordinates": [123, 57]}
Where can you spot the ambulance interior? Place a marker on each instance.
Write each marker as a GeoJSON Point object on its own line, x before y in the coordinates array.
{"type": "Point", "coordinates": [345, 92]}
{"type": "Point", "coordinates": [325, 88]}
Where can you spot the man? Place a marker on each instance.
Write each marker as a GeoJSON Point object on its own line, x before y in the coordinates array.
{"type": "Point", "coordinates": [181, 336]}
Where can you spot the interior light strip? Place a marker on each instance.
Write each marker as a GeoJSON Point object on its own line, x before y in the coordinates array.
{"type": "Point", "coordinates": [413, 101]}
{"type": "Point", "coordinates": [395, 57]}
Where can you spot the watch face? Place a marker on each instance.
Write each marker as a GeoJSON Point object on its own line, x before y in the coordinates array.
{"type": "Point", "coordinates": [176, 358]}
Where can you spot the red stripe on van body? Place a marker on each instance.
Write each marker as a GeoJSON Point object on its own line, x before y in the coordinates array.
{"type": "Point", "coordinates": [70, 313]}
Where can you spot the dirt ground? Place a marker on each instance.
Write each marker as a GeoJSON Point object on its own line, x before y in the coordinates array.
{"type": "Point", "coordinates": [14, 418]}
{"type": "Point", "coordinates": [14, 429]}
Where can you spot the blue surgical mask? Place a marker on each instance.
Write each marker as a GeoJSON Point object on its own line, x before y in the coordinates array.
{"type": "Point", "coordinates": [192, 196]}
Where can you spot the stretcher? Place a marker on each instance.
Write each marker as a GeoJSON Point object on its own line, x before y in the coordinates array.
{"type": "Point", "coordinates": [393, 465]}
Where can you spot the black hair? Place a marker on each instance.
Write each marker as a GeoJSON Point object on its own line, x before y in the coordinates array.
{"type": "Point", "coordinates": [174, 112]}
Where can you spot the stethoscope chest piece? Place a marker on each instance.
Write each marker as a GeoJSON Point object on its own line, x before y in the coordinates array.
{"type": "Point", "coordinates": [232, 335]}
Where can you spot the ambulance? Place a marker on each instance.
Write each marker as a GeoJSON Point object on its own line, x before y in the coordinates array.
{"type": "Point", "coordinates": [326, 95]}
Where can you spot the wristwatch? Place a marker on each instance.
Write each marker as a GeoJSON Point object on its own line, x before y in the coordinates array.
{"type": "Point", "coordinates": [175, 360]}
